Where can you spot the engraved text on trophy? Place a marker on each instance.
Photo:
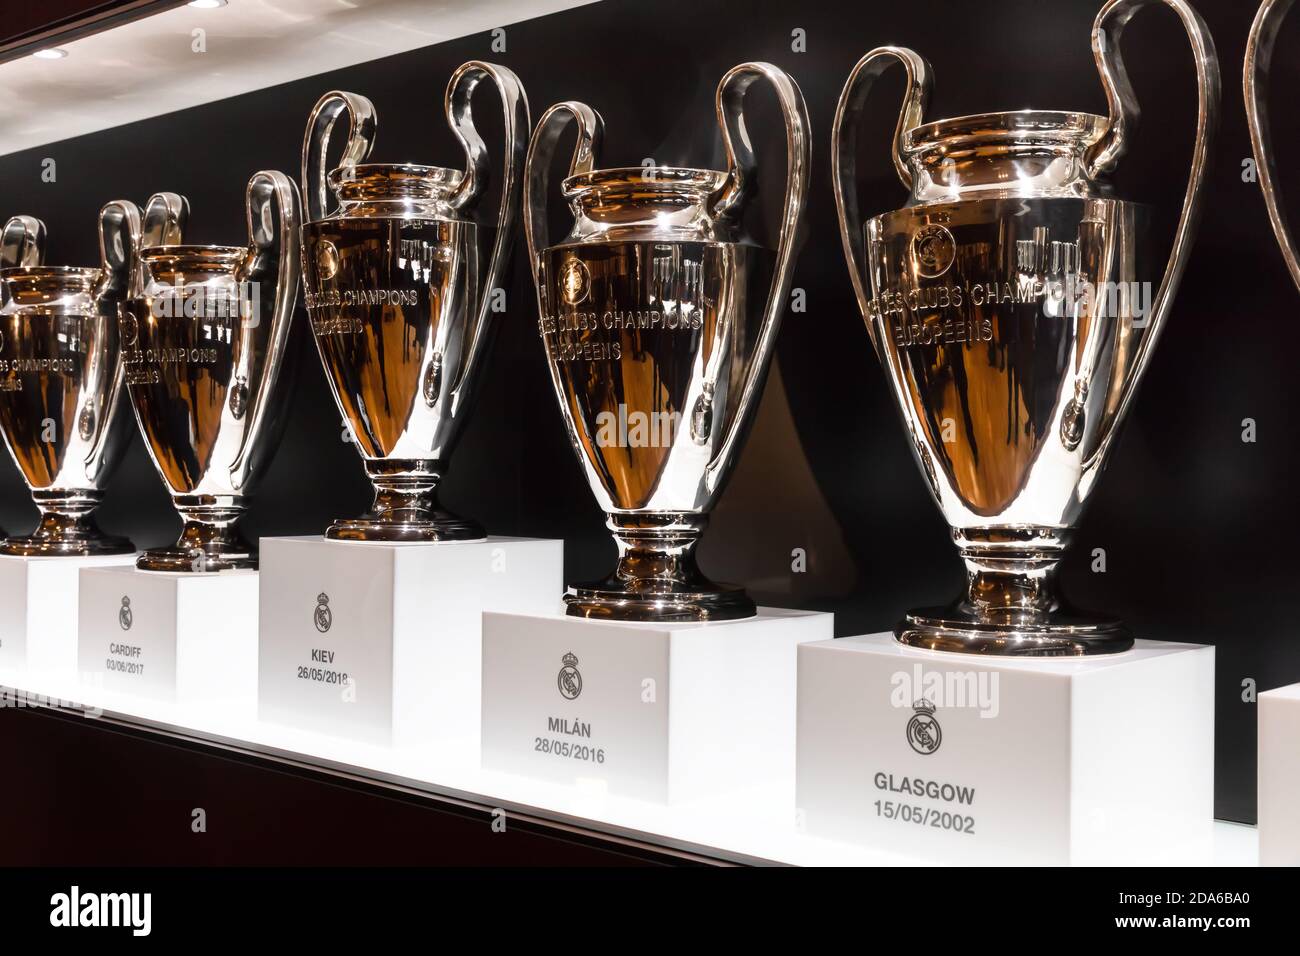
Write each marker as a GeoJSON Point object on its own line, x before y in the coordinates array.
{"type": "Point", "coordinates": [45, 360]}
{"type": "Point", "coordinates": [648, 342]}
{"type": "Point", "coordinates": [383, 296]}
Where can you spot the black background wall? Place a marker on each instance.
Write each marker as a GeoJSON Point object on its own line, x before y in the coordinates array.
{"type": "Point", "coordinates": [1199, 527]}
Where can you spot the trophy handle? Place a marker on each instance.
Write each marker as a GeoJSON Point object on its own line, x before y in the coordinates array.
{"type": "Point", "coordinates": [162, 223]}
{"type": "Point", "coordinates": [120, 230]}
{"type": "Point", "coordinates": [1259, 57]}
{"type": "Point", "coordinates": [1106, 31]}
{"type": "Point", "coordinates": [362, 124]}
{"type": "Point", "coordinates": [22, 243]}
{"type": "Point", "coordinates": [514, 109]}
{"type": "Point", "coordinates": [164, 219]}
{"type": "Point", "coordinates": [741, 167]}
{"type": "Point", "coordinates": [537, 169]}
{"type": "Point", "coordinates": [119, 269]}
{"type": "Point", "coordinates": [844, 149]}
{"type": "Point", "coordinates": [274, 217]}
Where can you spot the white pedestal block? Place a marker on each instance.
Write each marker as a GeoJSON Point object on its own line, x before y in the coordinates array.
{"type": "Point", "coordinates": [191, 638]}
{"type": "Point", "coordinates": [1279, 777]}
{"type": "Point", "coordinates": [38, 630]}
{"type": "Point", "coordinates": [660, 712]}
{"type": "Point", "coordinates": [382, 642]}
{"type": "Point", "coordinates": [1096, 760]}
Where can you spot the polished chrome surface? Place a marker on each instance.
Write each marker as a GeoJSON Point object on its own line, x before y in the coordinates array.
{"type": "Point", "coordinates": [204, 343]}
{"type": "Point", "coordinates": [22, 243]}
{"type": "Point", "coordinates": [61, 372]}
{"type": "Point", "coordinates": [658, 318]}
{"type": "Point", "coordinates": [1259, 58]}
{"type": "Point", "coordinates": [1010, 302]}
{"type": "Point", "coordinates": [400, 281]}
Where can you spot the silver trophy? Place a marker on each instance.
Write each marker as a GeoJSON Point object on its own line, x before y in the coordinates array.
{"type": "Point", "coordinates": [61, 370]}
{"type": "Point", "coordinates": [204, 342]}
{"type": "Point", "coordinates": [1014, 304]}
{"type": "Point", "coordinates": [400, 281]}
{"type": "Point", "coordinates": [1259, 57]}
{"type": "Point", "coordinates": [658, 319]}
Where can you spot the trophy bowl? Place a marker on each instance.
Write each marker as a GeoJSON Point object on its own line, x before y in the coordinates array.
{"type": "Point", "coordinates": [61, 372]}
{"type": "Point", "coordinates": [401, 280]}
{"type": "Point", "coordinates": [1014, 303]}
{"type": "Point", "coordinates": [658, 317]}
{"type": "Point", "coordinates": [205, 349]}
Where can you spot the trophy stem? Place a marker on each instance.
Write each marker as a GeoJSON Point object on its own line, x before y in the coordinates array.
{"type": "Point", "coordinates": [67, 528]}
{"type": "Point", "coordinates": [657, 578]}
{"type": "Point", "coordinates": [1012, 603]}
{"type": "Point", "coordinates": [406, 507]}
{"type": "Point", "coordinates": [209, 541]}
{"type": "Point", "coordinates": [1023, 580]}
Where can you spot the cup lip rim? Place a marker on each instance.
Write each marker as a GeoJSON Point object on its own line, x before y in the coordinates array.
{"type": "Point", "coordinates": [50, 272]}
{"type": "Point", "coordinates": [442, 175]}
{"type": "Point", "coordinates": [191, 251]}
{"type": "Point", "coordinates": [1063, 126]}
{"type": "Point", "coordinates": [628, 177]}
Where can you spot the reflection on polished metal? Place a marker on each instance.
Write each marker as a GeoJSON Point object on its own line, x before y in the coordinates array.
{"type": "Point", "coordinates": [1259, 58]}
{"type": "Point", "coordinates": [658, 319]}
{"type": "Point", "coordinates": [61, 371]}
{"type": "Point", "coordinates": [1010, 302]}
{"type": "Point", "coordinates": [401, 306]}
{"type": "Point", "coordinates": [204, 343]}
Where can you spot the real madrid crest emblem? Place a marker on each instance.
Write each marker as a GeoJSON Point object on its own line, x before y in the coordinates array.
{"type": "Point", "coordinates": [323, 617]}
{"type": "Point", "coordinates": [923, 731]}
{"type": "Point", "coordinates": [124, 616]}
{"type": "Point", "coordinates": [570, 679]}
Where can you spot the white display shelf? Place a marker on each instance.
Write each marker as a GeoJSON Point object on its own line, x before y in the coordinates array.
{"type": "Point", "coordinates": [743, 826]}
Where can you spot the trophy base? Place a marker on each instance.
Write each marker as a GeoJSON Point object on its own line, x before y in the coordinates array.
{"type": "Point", "coordinates": [67, 529]}
{"type": "Point", "coordinates": [1065, 761]}
{"type": "Point", "coordinates": [402, 624]}
{"type": "Point", "coordinates": [210, 542]}
{"type": "Point", "coordinates": [195, 561]}
{"type": "Point", "coordinates": [189, 638]}
{"type": "Point", "coordinates": [406, 508]}
{"type": "Point", "coordinates": [721, 719]}
{"type": "Point", "coordinates": [615, 601]}
{"type": "Point", "coordinates": [43, 546]}
{"type": "Point", "coordinates": [1057, 635]}
{"type": "Point", "coordinates": [430, 527]}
